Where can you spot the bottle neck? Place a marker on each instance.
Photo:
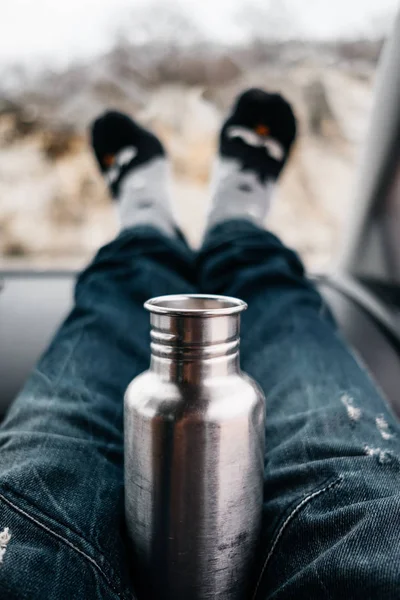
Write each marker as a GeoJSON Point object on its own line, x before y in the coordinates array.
{"type": "Point", "coordinates": [190, 349]}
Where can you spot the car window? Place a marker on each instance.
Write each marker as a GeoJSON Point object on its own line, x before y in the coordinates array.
{"type": "Point", "coordinates": [62, 65]}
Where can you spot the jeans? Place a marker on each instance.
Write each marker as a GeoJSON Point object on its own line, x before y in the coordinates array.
{"type": "Point", "coordinates": [331, 517]}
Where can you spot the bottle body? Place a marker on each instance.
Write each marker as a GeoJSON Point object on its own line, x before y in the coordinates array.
{"type": "Point", "coordinates": [194, 458]}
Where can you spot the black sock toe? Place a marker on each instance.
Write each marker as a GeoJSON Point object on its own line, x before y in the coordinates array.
{"type": "Point", "coordinates": [120, 145]}
{"type": "Point", "coordinates": [259, 133]}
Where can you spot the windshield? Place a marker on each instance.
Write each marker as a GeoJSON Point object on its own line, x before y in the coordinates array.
{"type": "Point", "coordinates": [63, 64]}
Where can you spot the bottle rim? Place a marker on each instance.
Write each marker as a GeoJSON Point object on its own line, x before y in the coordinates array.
{"type": "Point", "coordinates": [195, 305]}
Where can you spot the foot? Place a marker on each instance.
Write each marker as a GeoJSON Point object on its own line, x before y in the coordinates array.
{"type": "Point", "coordinates": [135, 167]}
{"type": "Point", "coordinates": [255, 143]}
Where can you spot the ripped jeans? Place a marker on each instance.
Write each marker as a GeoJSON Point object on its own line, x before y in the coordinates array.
{"type": "Point", "coordinates": [331, 524]}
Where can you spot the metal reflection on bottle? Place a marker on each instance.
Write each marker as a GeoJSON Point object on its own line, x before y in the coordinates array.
{"type": "Point", "coordinates": [194, 454]}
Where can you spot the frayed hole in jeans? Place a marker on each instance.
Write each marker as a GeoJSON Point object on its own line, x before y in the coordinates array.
{"type": "Point", "coordinates": [384, 457]}
{"type": "Point", "coordinates": [5, 537]}
{"type": "Point", "coordinates": [383, 427]}
{"type": "Point", "coordinates": [353, 412]}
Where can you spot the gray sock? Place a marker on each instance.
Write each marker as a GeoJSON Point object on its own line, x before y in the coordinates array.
{"type": "Point", "coordinates": [144, 197]}
{"type": "Point", "coordinates": [238, 194]}
{"type": "Point", "coordinates": [254, 145]}
{"type": "Point", "coordinates": [136, 169]}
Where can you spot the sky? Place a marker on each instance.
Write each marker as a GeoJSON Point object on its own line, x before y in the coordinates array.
{"type": "Point", "coordinates": [58, 32]}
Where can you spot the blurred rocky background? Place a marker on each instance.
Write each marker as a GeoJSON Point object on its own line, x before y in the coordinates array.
{"type": "Point", "coordinates": [54, 208]}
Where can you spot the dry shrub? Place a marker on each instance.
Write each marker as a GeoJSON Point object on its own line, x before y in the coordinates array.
{"type": "Point", "coordinates": [367, 50]}
{"type": "Point", "coordinates": [321, 120]}
{"type": "Point", "coordinates": [57, 144]}
{"type": "Point", "coordinates": [17, 121]}
{"type": "Point", "coordinates": [63, 211]}
{"type": "Point", "coordinates": [15, 249]}
{"type": "Point", "coordinates": [194, 70]}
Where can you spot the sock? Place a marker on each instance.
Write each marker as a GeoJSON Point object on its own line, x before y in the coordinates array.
{"type": "Point", "coordinates": [136, 169]}
{"type": "Point", "coordinates": [254, 145]}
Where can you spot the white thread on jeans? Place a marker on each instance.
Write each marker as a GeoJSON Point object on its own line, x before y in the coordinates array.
{"type": "Point", "coordinates": [383, 427]}
{"type": "Point", "coordinates": [353, 412]}
{"type": "Point", "coordinates": [294, 512]}
{"type": "Point", "coordinates": [60, 537]}
{"type": "Point", "coordinates": [5, 537]}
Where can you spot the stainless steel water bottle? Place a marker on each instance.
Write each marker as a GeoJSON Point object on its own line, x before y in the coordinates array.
{"type": "Point", "coordinates": [194, 454]}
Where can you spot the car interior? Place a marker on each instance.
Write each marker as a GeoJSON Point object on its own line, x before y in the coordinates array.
{"type": "Point", "coordinates": [363, 291]}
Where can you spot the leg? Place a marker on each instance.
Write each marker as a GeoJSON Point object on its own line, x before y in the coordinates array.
{"type": "Point", "coordinates": [61, 458]}
{"type": "Point", "coordinates": [331, 507]}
